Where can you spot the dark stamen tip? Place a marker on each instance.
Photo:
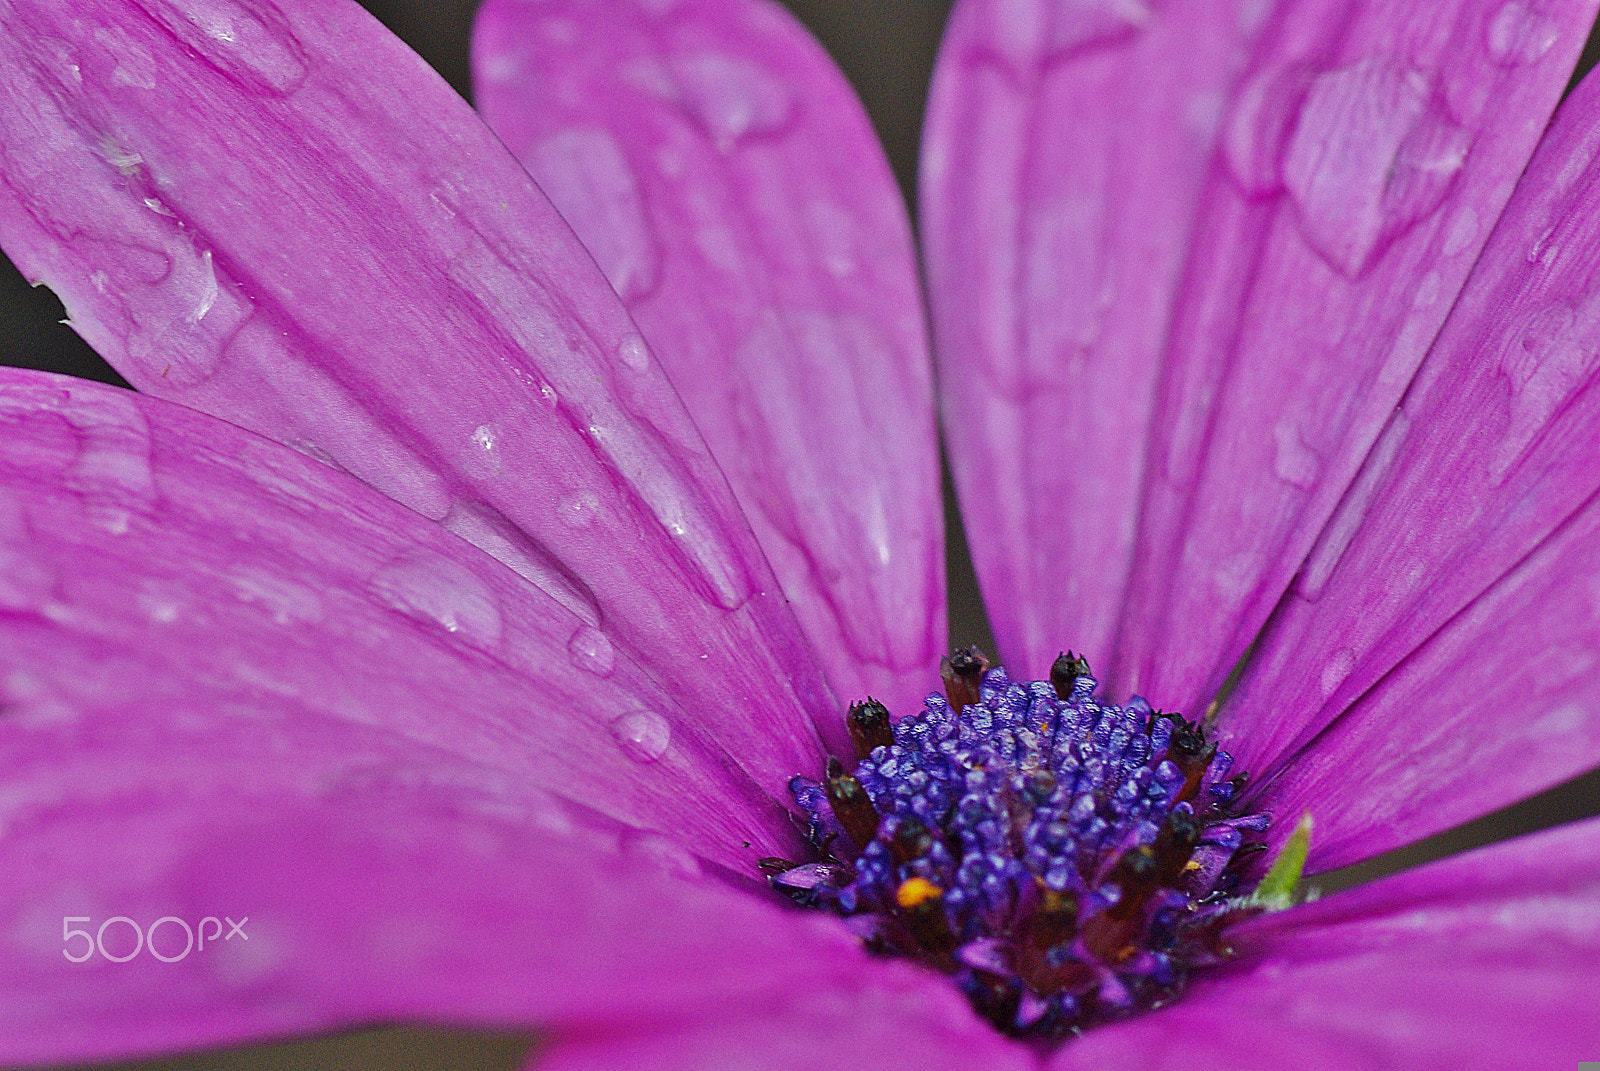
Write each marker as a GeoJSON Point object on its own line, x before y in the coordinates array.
{"type": "Point", "coordinates": [869, 726]}
{"type": "Point", "coordinates": [962, 671]}
{"type": "Point", "coordinates": [1065, 671]}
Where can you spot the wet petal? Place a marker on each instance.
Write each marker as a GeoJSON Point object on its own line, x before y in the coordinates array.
{"type": "Point", "coordinates": [215, 585]}
{"type": "Point", "coordinates": [1495, 451]}
{"type": "Point", "coordinates": [898, 1019]}
{"type": "Point", "coordinates": [276, 213]}
{"type": "Point", "coordinates": [1393, 136]}
{"type": "Point", "coordinates": [724, 176]}
{"type": "Point", "coordinates": [402, 899]}
{"type": "Point", "coordinates": [1067, 148]}
{"type": "Point", "coordinates": [1501, 703]}
{"type": "Point", "coordinates": [1486, 960]}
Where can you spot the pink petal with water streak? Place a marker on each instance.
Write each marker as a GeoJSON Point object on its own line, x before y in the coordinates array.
{"type": "Point", "coordinates": [725, 178]}
{"type": "Point", "coordinates": [1493, 453]}
{"type": "Point", "coordinates": [156, 560]}
{"type": "Point", "coordinates": [276, 213]}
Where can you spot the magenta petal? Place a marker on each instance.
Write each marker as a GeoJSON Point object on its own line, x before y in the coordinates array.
{"type": "Point", "coordinates": [276, 213]}
{"type": "Point", "coordinates": [1496, 447]}
{"type": "Point", "coordinates": [1501, 703]}
{"type": "Point", "coordinates": [1364, 160]}
{"type": "Point", "coordinates": [899, 1018]}
{"type": "Point", "coordinates": [724, 176]}
{"type": "Point", "coordinates": [158, 562]}
{"type": "Point", "coordinates": [1067, 148]}
{"type": "Point", "coordinates": [1486, 960]}
{"type": "Point", "coordinates": [391, 893]}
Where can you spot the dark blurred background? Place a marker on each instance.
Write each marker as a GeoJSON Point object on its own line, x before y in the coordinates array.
{"type": "Point", "coordinates": [886, 48]}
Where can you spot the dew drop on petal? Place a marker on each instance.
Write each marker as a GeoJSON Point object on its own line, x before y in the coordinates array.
{"type": "Point", "coordinates": [1257, 131]}
{"type": "Point", "coordinates": [578, 509]}
{"type": "Point", "coordinates": [662, 853]}
{"type": "Point", "coordinates": [643, 735]}
{"type": "Point", "coordinates": [1372, 155]}
{"type": "Point", "coordinates": [634, 353]}
{"type": "Point", "coordinates": [586, 175]}
{"type": "Point", "coordinates": [1545, 359]}
{"type": "Point", "coordinates": [1033, 32]}
{"type": "Point", "coordinates": [493, 533]}
{"type": "Point", "coordinates": [445, 592]}
{"type": "Point", "coordinates": [1463, 232]}
{"type": "Point", "coordinates": [592, 651]}
{"type": "Point", "coordinates": [284, 600]}
{"type": "Point", "coordinates": [1340, 666]}
{"type": "Point", "coordinates": [730, 97]}
{"type": "Point", "coordinates": [1293, 461]}
{"type": "Point", "coordinates": [1517, 34]}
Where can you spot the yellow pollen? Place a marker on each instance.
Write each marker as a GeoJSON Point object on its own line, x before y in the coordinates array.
{"type": "Point", "coordinates": [1193, 864]}
{"type": "Point", "coordinates": [914, 892]}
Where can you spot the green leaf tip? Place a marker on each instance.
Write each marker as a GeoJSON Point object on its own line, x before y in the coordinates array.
{"type": "Point", "coordinates": [1277, 889]}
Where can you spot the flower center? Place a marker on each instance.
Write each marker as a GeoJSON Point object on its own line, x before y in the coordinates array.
{"type": "Point", "coordinates": [1066, 860]}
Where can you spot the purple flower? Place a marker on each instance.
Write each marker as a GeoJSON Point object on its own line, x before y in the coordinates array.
{"type": "Point", "coordinates": [1258, 332]}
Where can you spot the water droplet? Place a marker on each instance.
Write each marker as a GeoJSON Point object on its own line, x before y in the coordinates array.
{"type": "Point", "coordinates": [661, 852]}
{"type": "Point", "coordinates": [731, 97]}
{"type": "Point", "coordinates": [1257, 132]}
{"type": "Point", "coordinates": [251, 45]}
{"type": "Point", "coordinates": [1547, 356]}
{"type": "Point", "coordinates": [1517, 34]}
{"type": "Point", "coordinates": [586, 175]}
{"type": "Point", "coordinates": [1340, 666]}
{"type": "Point", "coordinates": [485, 456]}
{"type": "Point", "coordinates": [29, 701]}
{"type": "Point", "coordinates": [493, 533]}
{"type": "Point", "coordinates": [642, 735]}
{"type": "Point", "coordinates": [445, 592]}
{"type": "Point", "coordinates": [1372, 155]}
{"type": "Point", "coordinates": [1428, 291]}
{"type": "Point", "coordinates": [1294, 462]}
{"type": "Point", "coordinates": [591, 651]}
{"type": "Point", "coordinates": [634, 353]}
{"type": "Point", "coordinates": [1542, 248]}
{"type": "Point", "coordinates": [287, 601]}
{"type": "Point", "coordinates": [578, 509]}
{"type": "Point", "coordinates": [833, 233]}
{"type": "Point", "coordinates": [161, 604]}
{"type": "Point", "coordinates": [1463, 232]}
{"type": "Point", "coordinates": [1035, 32]}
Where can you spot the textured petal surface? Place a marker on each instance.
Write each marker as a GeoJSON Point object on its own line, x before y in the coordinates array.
{"type": "Point", "coordinates": [1329, 169]}
{"type": "Point", "coordinates": [155, 560]}
{"type": "Point", "coordinates": [900, 1019]}
{"type": "Point", "coordinates": [725, 178]}
{"type": "Point", "coordinates": [1365, 159]}
{"type": "Point", "coordinates": [1486, 960]}
{"type": "Point", "coordinates": [1067, 147]}
{"type": "Point", "coordinates": [276, 213]}
{"type": "Point", "coordinates": [1500, 704]}
{"type": "Point", "coordinates": [1496, 446]}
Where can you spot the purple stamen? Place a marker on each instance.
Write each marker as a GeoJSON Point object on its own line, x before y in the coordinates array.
{"type": "Point", "coordinates": [1066, 860]}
